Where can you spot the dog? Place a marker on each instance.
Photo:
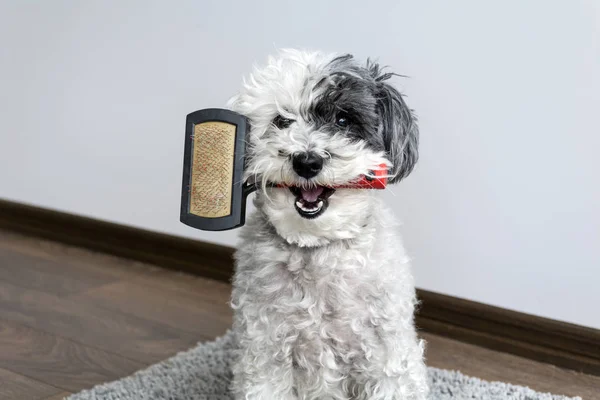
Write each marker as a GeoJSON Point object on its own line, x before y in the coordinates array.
{"type": "Point", "coordinates": [323, 295]}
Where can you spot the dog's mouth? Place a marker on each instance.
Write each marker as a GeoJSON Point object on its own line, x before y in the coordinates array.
{"type": "Point", "coordinates": [311, 201]}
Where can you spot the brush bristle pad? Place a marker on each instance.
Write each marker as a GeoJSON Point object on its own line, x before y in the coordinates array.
{"type": "Point", "coordinates": [212, 169]}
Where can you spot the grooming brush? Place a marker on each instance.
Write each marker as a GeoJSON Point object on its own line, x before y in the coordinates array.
{"type": "Point", "coordinates": [213, 196]}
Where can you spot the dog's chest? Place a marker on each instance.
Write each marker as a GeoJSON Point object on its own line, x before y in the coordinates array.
{"type": "Point", "coordinates": [334, 304]}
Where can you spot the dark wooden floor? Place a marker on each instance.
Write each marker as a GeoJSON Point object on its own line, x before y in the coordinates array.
{"type": "Point", "coordinates": [70, 319]}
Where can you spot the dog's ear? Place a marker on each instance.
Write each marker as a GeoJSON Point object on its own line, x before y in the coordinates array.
{"type": "Point", "coordinates": [398, 125]}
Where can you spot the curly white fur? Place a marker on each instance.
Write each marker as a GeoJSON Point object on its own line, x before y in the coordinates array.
{"type": "Point", "coordinates": [324, 307]}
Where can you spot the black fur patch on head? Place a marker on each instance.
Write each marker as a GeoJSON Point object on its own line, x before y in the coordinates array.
{"type": "Point", "coordinates": [347, 91]}
{"type": "Point", "coordinates": [376, 111]}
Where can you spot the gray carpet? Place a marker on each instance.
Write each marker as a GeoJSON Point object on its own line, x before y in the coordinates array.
{"type": "Point", "coordinates": [203, 373]}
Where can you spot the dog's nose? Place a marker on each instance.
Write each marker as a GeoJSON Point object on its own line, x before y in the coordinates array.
{"type": "Point", "coordinates": [307, 165]}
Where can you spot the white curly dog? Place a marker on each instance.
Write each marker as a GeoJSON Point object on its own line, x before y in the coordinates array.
{"type": "Point", "coordinates": [323, 294]}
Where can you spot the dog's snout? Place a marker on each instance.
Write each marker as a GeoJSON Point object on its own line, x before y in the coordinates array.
{"type": "Point", "coordinates": [307, 165]}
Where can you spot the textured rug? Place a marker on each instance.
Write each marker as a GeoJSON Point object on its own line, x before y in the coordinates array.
{"type": "Point", "coordinates": [203, 373]}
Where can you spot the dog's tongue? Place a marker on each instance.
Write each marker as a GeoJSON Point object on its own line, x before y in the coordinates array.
{"type": "Point", "coordinates": [311, 195]}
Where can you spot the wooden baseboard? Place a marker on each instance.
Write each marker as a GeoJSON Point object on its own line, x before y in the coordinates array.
{"type": "Point", "coordinates": [554, 342]}
{"type": "Point", "coordinates": [168, 251]}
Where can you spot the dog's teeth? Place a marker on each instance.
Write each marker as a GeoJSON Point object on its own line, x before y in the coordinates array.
{"type": "Point", "coordinates": [309, 208]}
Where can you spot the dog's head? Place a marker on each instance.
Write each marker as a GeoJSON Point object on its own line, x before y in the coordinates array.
{"type": "Point", "coordinates": [320, 121]}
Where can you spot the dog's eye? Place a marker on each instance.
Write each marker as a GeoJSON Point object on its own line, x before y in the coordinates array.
{"type": "Point", "coordinates": [342, 120]}
{"type": "Point", "coordinates": [281, 122]}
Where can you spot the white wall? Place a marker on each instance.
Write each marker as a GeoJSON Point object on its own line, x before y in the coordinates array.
{"type": "Point", "coordinates": [503, 207]}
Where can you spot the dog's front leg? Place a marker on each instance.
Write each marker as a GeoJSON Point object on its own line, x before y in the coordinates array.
{"type": "Point", "coordinates": [396, 371]}
{"type": "Point", "coordinates": [263, 370]}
